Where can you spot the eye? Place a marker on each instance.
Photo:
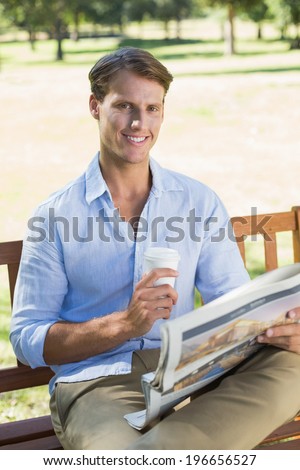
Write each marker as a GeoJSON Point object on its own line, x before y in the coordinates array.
{"type": "Point", "coordinates": [125, 106]}
{"type": "Point", "coordinates": [153, 108]}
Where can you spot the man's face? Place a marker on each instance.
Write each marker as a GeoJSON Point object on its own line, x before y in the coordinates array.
{"type": "Point", "coordinates": [130, 118]}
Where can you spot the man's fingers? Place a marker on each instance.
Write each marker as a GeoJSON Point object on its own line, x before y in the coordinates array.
{"type": "Point", "coordinates": [284, 337]}
{"type": "Point", "coordinates": [291, 329]}
{"type": "Point", "coordinates": [290, 343]}
{"type": "Point", "coordinates": [155, 274]}
{"type": "Point", "coordinates": [153, 293]}
{"type": "Point", "coordinates": [294, 314]}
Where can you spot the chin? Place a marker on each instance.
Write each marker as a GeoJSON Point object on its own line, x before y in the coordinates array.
{"type": "Point", "coordinates": [136, 158]}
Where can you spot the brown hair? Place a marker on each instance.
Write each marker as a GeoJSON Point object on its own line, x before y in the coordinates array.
{"type": "Point", "coordinates": [133, 59]}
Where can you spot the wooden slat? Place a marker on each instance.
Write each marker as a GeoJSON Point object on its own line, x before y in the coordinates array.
{"type": "Point", "coordinates": [10, 252]}
{"type": "Point", "coordinates": [13, 269]}
{"type": "Point", "coordinates": [16, 378]}
{"type": "Point", "coordinates": [287, 430]}
{"type": "Point", "coordinates": [241, 245]}
{"type": "Point", "coordinates": [44, 443]}
{"type": "Point", "coordinates": [27, 429]}
{"type": "Point", "coordinates": [296, 235]}
{"type": "Point", "coordinates": [270, 245]}
{"type": "Point", "coordinates": [264, 223]}
{"type": "Point", "coordinates": [293, 444]}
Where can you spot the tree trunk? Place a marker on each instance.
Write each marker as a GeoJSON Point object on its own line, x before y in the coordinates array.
{"type": "Point", "coordinates": [167, 32]}
{"type": "Point", "coordinates": [32, 38]}
{"type": "Point", "coordinates": [59, 38]}
{"type": "Point", "coordinates": [141, 29]}
{"type": "Point", "coordinates": [178, 28]}
{"type": "Point", "coordinates": [59, 54]}
{"type": "Point", "coordinates": [259, 31]}
{"type": "Point", "coordinates": [75, 33]}
{"type": "Point", "coordinates": [283, 32]}
{"type": "Point", "coordinates": [296, 42]}
{"type": "Point", "coordinates": [229, 31]}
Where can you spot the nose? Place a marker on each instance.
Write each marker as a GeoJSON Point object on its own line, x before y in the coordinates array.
{"type": "Point", "coordinates": [138, 120]}
{"type": "Point", "coordinates": [136, 124]}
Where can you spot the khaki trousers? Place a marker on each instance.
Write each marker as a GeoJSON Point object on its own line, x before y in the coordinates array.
{"type": "Point", "coordinates": [244, 407]}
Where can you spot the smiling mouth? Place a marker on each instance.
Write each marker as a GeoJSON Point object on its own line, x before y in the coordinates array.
{"type": "Point", "coordinates": [135, 139]}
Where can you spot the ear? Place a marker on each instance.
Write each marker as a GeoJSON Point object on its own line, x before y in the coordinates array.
{"type": "Point", "coordinates": [94, 107]}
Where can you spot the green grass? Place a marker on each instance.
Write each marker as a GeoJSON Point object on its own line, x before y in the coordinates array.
{"type": "Point", "coordinates": [23, 404]}
{"type": "Point", "coordinates": [87, 51]}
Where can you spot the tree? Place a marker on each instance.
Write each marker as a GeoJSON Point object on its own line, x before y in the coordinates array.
{"type": "Point", "coordinates": [233, 7]}
{"type": "Point", "coordinates": [137, 10]}
{"type": "Point", "coordinates": [38, 15]}
{"type": "Point", "coordinates": [28, 15]}
{"type": "Point", "coordinates": [107, 12]}
{"type": "Point", "coordinates": [280, 12]}
{"type": "Point", "coordinates": [258, 13]}
{"type": "Point", "coordinates": [167, 10]}
{"type": "Point", "coordinates": [294, 9]}
{"type": "Point", "coordinates": [53, 16]}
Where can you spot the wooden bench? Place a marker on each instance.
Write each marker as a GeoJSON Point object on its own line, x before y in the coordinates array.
{"type": "Point", "coordinates": [37, 433]}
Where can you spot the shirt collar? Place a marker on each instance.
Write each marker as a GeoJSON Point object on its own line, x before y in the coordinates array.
{"type": "Point", "coordinates": [95, 183]}
{"type": "Point", "coordinates": [162, 180]}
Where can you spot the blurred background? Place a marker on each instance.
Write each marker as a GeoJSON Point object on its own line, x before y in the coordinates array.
{"type": "Point", "coordinates": [232, 117]}
{"type": "Point", "coordinates": [232, 113]}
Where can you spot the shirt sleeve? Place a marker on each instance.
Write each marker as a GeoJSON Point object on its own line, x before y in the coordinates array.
{"type": "Point", "coordinates": [40, 290]}
{"type": "Point", "coordinates": [220, 267]}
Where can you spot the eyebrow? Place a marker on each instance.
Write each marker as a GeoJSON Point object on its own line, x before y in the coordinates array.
{"type": "Point", "coordinates": [125, 100]}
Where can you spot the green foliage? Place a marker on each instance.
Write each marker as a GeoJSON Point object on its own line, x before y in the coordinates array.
{"type": "Point", "coordinates": [284, 12]}
{"type": "Point", "coordinates": [138, 10]}
{"type": "Point", "coordinates": [167, 10]}
{"type": "Point", "coordinates": [238, 5]}
{"type": "Point", "coordinates": [30, 14]}
{"type": "Point", "coordinates": [106, 12]}
{"type": "Point", "coordinates": [294, 10]}
{"type": "Point", "coordinates": [259, 12]}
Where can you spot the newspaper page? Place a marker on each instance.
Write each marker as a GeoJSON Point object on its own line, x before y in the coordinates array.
{"type": "Point", "coordinates": [202, 345]}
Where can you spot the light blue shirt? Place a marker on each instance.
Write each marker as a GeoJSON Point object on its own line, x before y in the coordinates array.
{"type": "Point", "coordinates": [80, 261]}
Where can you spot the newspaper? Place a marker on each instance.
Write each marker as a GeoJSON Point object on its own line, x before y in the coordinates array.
{"type": "Point", "coordinates": [204, 344]}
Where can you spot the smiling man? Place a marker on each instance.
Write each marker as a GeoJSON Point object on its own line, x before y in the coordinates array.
{"type": "Point", "coordinates": [84, 306]}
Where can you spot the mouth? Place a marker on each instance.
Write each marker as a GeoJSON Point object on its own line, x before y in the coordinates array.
{"type": "Point", "coordinates": [136, 139]}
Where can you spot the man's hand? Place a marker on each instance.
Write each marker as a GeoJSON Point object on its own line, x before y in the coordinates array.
{"type": "Point", "coordinates": [285, 336]}
{"type": "Point", "coordinates": [149, 303]}
{"type": "Point", "coordinates": [71, 342]}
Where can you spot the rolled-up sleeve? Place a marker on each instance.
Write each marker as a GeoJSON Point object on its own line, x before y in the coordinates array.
{"type": "Point", "coordinates": [40, 290]}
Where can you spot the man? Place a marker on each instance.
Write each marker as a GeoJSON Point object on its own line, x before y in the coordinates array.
{"type": "Point", "coordinates": [84, 306]}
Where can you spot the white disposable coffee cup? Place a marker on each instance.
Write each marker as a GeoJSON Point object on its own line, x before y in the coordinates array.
{"type": "Point", "coordinates": [160, 257]}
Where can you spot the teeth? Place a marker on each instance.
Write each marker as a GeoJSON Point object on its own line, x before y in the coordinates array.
{"type": "Point", "coordinates": [136, 139]}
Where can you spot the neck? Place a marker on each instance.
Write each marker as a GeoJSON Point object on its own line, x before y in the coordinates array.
{"type": "Point", "coordinates": [129, 185]}
{"type": "Point", "coordinates": [126, 179]}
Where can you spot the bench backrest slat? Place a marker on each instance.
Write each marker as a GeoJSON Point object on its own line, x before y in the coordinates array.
{"type": "Point", "coordinates": [268, 225]}
{"type": "Point", "coordinates": [296, 235]}
{"type": "Point", "coordinates": [10, 255]}
{"type": "Point", "coordinates": [271, 260]}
